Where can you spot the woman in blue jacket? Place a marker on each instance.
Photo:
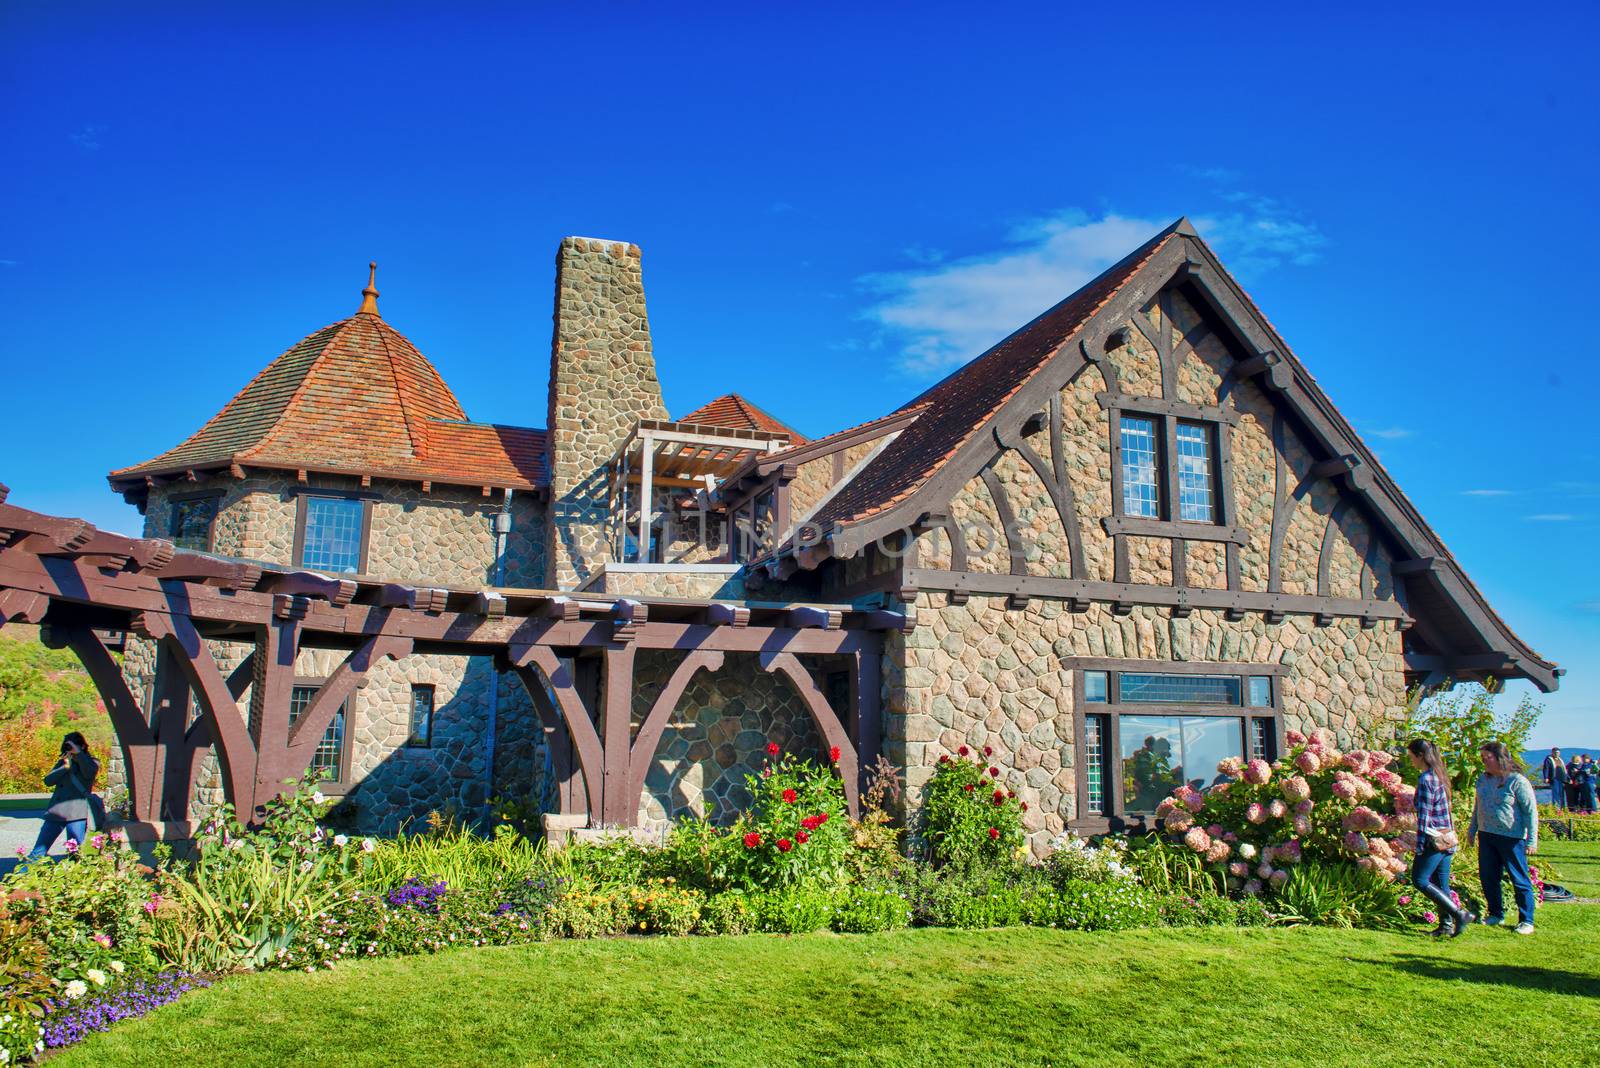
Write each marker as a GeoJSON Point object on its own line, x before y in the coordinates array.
{"type": "Point", "coordinates": [1505, 823]}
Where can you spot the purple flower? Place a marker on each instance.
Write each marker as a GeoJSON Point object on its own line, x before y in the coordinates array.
{"type": "Point", "coordinates": [68, 1022]}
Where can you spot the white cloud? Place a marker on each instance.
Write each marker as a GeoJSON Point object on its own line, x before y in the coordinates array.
{"type": "Point", "coordinates": [1393, 433]}
{"type": "Point", "coordinates": [88, 138]}
{"type": "Point", "coordinates": [1486, 493]}
{"type": "Point", "coordinates": [1550, 517]}
{"type": "Point", "coordinates": [945, 312]}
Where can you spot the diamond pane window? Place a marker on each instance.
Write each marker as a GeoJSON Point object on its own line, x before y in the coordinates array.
{"type": "Point", "coordinates": [190, 526]}
{"type": "Point", "coordinates": [1094, 743]}
{"type": "Point", "coordinates": [1139, 689]}
{"type": "Point", "coordinates": [1096, 687]}
{"type": "Point", "coordinates": [1263, 739]}
{"type": "Point", "coordinates": [1139, 495]}
{"type": "Point", "coordinates": [1197, 500]}
{"type": "Point", "coordinates": [332, 534]}
{"type": "Point", "coordinates": [421, 717]}
{"type": "Point", "coordinates": [330, 749]}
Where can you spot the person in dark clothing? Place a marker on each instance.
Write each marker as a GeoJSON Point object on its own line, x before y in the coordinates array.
{"type": "Point", "coordinates": [1554, 773]}
{"type": "Point", "coordinates": [72, 784]}
{"type": "Point", "coordinates": [1589, 772]}
{"type": "Point", "coordinates": [1574, 785]}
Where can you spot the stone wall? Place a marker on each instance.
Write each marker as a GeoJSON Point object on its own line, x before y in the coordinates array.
{"type": "Point", "coordinates": [444, 537]}
{"type": "Point", "coordinates": [979, 674]}
{"type": "Point", "coordinates": [717, 735]}
{"type": "Point", "coordinates": [602, 382]}
{"type": "Point", "coordinates": [726, 584]}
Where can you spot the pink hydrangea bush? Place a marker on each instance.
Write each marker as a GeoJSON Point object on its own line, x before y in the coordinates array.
{"type": "Point", "coordinates": [1314, 803]}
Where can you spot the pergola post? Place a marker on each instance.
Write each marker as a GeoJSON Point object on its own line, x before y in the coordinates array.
{"type": "Point", "coordinates": [647, 466]}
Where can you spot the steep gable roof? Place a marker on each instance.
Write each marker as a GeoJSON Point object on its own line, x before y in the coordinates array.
{"type": "Point", "coordinates": [944, 446]}
{"type": "Point", "coordinates": [957, 408]}
{"type": "Point", "coordinates": [733, 411]}
{"type": "Point", "coordinates": [355, 397]}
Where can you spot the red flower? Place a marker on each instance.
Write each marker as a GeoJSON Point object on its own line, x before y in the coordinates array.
{"type": "Point", "coordinates": [968, 788]}
{"type": "Point", "coordinates": [810, 823]}
{"type": "Point", "coordinates": [945, 759]}
{"type": "Point", "coordinates": [963, 751]}
{"type": "Point", "coordinates": [1024, 806]}
{"type": "Point", "coordinates": [994, 833]}
{"type": "Point", "coordinates": [988, 751]}
{"type": "Point", "coordinates": [790, 797]}
{"type": "Point", "coordinates": [994, 773]}
{"type": "Point", "coordinates": [833, 754]}
{"type": "Point", "coordinates": [752, 840]}
{"type": "Point", "coordinates": [784, 845]}
{"type": "Point", "coordinates": [999, 797]}
{"type": "Point", "coordinates": [822, 817]}
{"type": "Point", "coordinates": [802, 837]}
{"type": "Point", "coordinates": [1011, 793]}
{"type": "Point", "coordinates": [772, 749]}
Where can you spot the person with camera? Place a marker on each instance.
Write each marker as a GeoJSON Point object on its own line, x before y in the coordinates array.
{"type": "Point", "coordinates": [72, 787]}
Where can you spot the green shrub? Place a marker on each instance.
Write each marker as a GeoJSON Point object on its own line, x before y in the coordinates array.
{"type": "Point", "coordinates": [1105, 906]}
{"type": "Point", "coordinates": [1341, 895]}
{"type": "Point", "coordinates": [1169, 868]}
{"type": "Point", "coordinates": [958, 899]}
{"type": "Point", "coordinates": [968, 818]}
{"type": "Point", "coordinates": [92, 912]}
{"type": "Point", "coordinates": [728, 913]}
{"type": "Point", "coordinates": [795, 830]}
{"type": "Point", "coordinates": [701, 854]}
{"type": "Point", "coordinates": [1075, 859]}
{"type": "Point", "coordinates": [25, 987]}
{"type": "Point", "coordinates": [796, 909]}
{"type": "Point", "coordinates": [1213, 910]}
{"type": "Point", "coordinates": [453, 854]}
{"type": "Point", "coordinates": [867, 909]}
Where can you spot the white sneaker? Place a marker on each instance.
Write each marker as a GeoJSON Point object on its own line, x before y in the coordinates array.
{"type": "Point", "coordinates": [1524, 927]}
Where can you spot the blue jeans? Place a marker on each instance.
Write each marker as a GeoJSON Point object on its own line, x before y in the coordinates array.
{"type": "Point", "coordinates": [1430, 874]}
{"type": "Point", "coordinates": [53, 826]}
{"type": "Point", "coordinates": [1500, 855]}
{"type": "Point", "coordinates": [1558, 795]}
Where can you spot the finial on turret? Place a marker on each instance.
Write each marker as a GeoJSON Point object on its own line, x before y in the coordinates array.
{"type": "Point", "coordinates": [369, 295]}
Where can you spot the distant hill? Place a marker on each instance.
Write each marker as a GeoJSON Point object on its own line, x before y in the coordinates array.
{"type": "Point", "coordinates": [1534, 758]}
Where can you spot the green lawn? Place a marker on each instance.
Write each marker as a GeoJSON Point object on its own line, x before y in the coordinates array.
{"type": "Point", "coordinates": [927, 997]}
{"type": "Point", "coordinates": [1578, 864]}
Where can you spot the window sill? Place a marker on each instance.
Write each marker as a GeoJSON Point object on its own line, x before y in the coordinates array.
{"type": "Point", "coordinates": [1164, 528]}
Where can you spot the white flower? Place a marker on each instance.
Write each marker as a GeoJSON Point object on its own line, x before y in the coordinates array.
{"type": "Point", "coordinates": [368, 845]}
{"type": "Point", "coordinates": [96, 976]}
{"type": "Point", "coordinates": [340, 840]}
{"type": "Point", "coordinates": [317, 798]}
{"type": "Point", "coordinates": [76, 989]}
{"type": "Point", "coordinates": [118, 967]}
{"type": "Point", "coordinates": [1247, 851]}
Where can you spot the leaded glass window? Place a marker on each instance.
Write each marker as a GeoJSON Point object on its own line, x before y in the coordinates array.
{"type": "Point", "coordinates": [1096, 687]}
{"type": "Point", "coordinates": [1139, 493]}
{"type": "Point", "coordinates": [191, 520]}
{"type": "Point", "coordinates": [1197, 499]}
{"type": "Point", "coordinates": [333, 528]}
{"type": "Point", "coordinates": [330, 748]}
{"type": "Point", "coordinates": [1094, 748]}
{"type": "Point", "coordinates": [421, 717]}
{"type": "Point", "coordinates": [1141, 689]}
{"type": "Point", "coordinates": [1263, 739]}
{"type": "Point", "coordinates": [1260, 687]}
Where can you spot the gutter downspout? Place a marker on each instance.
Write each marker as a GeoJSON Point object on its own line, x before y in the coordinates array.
{"type": "Point", "coordinates": [502, 531]}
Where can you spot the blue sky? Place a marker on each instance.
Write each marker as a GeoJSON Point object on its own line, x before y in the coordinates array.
{"type": "Point", "coordinates": [835, 205]}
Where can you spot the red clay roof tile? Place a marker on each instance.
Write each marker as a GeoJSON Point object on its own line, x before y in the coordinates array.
{"type": "Point", "coordinates": [732, 410]}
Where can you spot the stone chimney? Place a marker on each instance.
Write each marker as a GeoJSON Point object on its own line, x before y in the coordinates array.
{"type": "Point", "coordinates": [602, 382]}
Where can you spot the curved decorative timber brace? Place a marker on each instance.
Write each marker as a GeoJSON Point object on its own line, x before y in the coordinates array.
{"type": "Point", "coordinates": [553, 688]}
{"type": "Point", "coordinates": [822, 714]}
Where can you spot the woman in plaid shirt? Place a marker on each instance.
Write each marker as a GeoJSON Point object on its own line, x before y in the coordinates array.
{"type": "Point", "coordinates": [1436, 838]}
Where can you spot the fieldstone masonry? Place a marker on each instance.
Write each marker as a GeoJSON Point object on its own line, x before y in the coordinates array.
{"type": "Point", "coordinates": [602, 382]}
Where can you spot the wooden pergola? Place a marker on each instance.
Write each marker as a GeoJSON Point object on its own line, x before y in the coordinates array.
{"type": "Point", "coordinates": [73, 580]}
{"type": "Point", "coordinates": [669, 455]}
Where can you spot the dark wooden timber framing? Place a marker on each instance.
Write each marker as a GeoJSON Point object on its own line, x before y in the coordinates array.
{"type": "Point", "coordinates": [73, 579]}
{"type": "Point", "coordinates": [1468, 626]}
{"type": "Point", "coordinates": [1115, 818]}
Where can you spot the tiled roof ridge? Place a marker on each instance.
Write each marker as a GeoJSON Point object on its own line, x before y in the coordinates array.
{"type": "Point", "coordinates": [1128, 266]}
{"type": "Point", "coordinates": [216, 416]}
{"type": "Point", "coordinates": [417, 434]}
{"type": "Point", "coordinates": [300, 389]}
{"type": "Point", "coordinates": [898, 413]}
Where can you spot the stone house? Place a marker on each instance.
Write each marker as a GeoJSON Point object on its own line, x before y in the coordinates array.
{"type": "Point", "coordinates": [1132, 538]}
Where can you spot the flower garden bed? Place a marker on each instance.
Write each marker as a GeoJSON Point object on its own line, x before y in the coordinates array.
{"type": "Point", "coordinates": [1317, 838]}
